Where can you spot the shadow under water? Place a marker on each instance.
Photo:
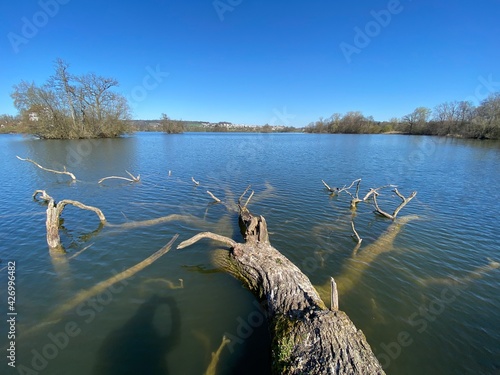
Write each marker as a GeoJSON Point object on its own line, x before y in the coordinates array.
{"type": "Point", "coordinates": [138, 347]}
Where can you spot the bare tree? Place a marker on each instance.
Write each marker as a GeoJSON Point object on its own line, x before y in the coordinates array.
{"type": "Point", "coordinates": [418, 117]}
{"type": "Point", "coordinates": [487, 120]}
{"type": "Point", "coordinates": [67, 106]}
{"type": "Point", "coordinates": [61, 82]}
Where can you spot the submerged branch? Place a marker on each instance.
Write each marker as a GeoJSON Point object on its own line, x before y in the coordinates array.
{"type": "Point", "coordinates": [151, 222]}
{"type": "Point", "coordinates": [212, 367]}
{"type": "Point", "coordinates": [103, 285]}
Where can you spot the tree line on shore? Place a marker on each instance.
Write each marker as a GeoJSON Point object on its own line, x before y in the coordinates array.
{"type": "Point", "coordinates": [69, 106]}
{"type": "Point", "coordinates": [455, 118]}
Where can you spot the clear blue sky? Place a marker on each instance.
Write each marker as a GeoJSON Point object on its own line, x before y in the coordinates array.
{"type": "Point", "coordinates": [257, 62]}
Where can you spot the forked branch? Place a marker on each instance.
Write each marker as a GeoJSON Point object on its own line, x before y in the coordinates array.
{"type": "Point", "coordinates": [49, 170]}
{"type": "Point", "coordinates": [53, 214]}
{"type": "Point", "coordinates": [375, 191]}
{"type": "Point", "coordinates": [399, 208]}
{"type": "Point", "coordinates": [242, 195]}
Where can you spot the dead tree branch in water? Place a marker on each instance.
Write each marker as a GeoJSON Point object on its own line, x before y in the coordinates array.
{"type": "Point", "coordinates": [131, 179]}
{"type": "Point", "coordinates": [307, 337]}
{"type": "Point", "coordinates": [214, 197]}
{"type": "Point", "coordinates": [334, 190]}
{"type": "Point", "coordinates": [194, 181]}
{"type": "Point", "coordinates": [356, 235]}
{"type": "Point", "coordinates": [54, 212]}
{"type": "Point", "coordinates": [212, 367]}
{"type": "Point", "coordinates": [49, 170]}
{"type": "Point", "coordinates": [216, 237]}
{"type": "Point", "coordinates": [151, 222]}
{"type": "Point", "coordinates": [103, 285]}
{"type": "Point", "coordinates": [399, 208]}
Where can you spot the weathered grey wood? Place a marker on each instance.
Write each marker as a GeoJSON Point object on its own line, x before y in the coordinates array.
{"type": "Point", "coordinates": [53, 214]}
{"type": "Point", "coordinates": [47, 169]}
{"type": "Point", "coordinates": [399, 208]}
{"type": "Point", "coordinates": [334, 298]}
{"type": "Point", "coordinates": [307, 337]}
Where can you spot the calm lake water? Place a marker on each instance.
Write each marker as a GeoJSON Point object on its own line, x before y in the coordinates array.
{"type": "Point", "coordinates": [428, 304]}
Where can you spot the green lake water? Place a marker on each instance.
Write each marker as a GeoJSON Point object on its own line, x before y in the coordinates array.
{"type": "Point", "coordinates": [427, 304]}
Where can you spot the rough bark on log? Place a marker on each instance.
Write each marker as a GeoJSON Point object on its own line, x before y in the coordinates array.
{"type": "Point", "coordinates": [307, 337]}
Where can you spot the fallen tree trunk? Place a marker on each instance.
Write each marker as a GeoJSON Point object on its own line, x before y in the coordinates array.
{"type": "Point", "coordinates": [307, 338]}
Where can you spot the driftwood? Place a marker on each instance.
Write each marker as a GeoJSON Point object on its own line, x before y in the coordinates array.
{"type": "Point", "coordinates": [214, 197]}
{"type": "Point", "coordinates": [156, 221]}
{"type": "Point", "coordinates": [307, 337]}
{"type": "Point", "coordinates": [131, 179]}
{"type": "Point", "coordinates": [49, 170]}
{"type": "Point", "coordinates": [334, 190]}
{"type": "Point", "coordinates": [212, 367]}
{"type": "Point", "coordinates": [396, 211]}
{"type": "Point", "coordinates": [356, 235]}
{"type": "Point", "coordinates": [346, 188]}
{"type": "Point", "coordinates": [53, 214]}
{"type": "Point", "coordinates": [194, 181]}
{"type": "Point", "coordinates": [355, 197]}
{"type": "Point", "coordinates": [356, 266]}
